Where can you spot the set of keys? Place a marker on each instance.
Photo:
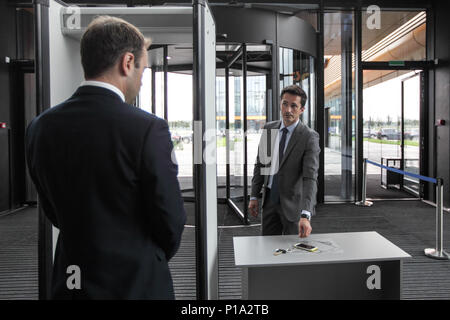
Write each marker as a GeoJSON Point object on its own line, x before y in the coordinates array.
{"type": "Point", "coordinates": [277, 252]}
{"type": "Point", "coordinates": [302, 246]}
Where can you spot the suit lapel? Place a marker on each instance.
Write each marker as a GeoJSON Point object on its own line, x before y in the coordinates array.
{"type": "Point", "coordinates": [292, 142]}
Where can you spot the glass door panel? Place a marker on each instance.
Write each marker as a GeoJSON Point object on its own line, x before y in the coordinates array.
{"type": "Point", "coordinates": [221, 133]}
{"type": "Point", "coordinates": [384, 140]}
{"type": "Point", "coordinates": [236, 134]}
{"type": "Point", "coordinates": [411, 136]}
{"type": "Point", "coordinates": [256, 119]}
{"type": "Point", "coordinates": [249, 66]}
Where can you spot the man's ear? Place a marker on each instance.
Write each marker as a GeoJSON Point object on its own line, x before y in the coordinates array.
{"type": "Point", "coordinates": [126, 63]}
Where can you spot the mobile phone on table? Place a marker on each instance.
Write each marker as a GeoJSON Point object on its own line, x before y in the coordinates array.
{"type": "Point", "coordinates": [304, 246]}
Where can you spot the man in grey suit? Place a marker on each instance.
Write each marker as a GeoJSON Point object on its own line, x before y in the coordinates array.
{"type": "Point", "coordinates": [286, 170]}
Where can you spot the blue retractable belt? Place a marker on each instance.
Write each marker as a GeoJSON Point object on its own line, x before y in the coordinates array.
{"type": "Point", "coordinates": [403, 172]}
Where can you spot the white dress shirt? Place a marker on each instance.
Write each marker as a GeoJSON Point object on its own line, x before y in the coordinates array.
{"type": "Point", "coordinates": [104, 85]}
{"type": "Point", "coordinates": [274, 164]}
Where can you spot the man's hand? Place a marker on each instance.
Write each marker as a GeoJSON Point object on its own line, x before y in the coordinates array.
{"type": "Point", "coordinates": [304, 228]}
{"type": "Point", "coordinates": [253, 207]}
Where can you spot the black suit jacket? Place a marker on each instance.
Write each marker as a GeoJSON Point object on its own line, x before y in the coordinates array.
{"type": "Point", "coordinates": [105, 178]}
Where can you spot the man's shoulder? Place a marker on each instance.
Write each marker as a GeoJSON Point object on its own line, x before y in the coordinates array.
{"type": "Point", "coordinates": [140, 113]}
{"type": "Point", "coordinates": [308, 130]}
{"type": "Point", "coordinates": [118, 111]}
{"type": "Point", "coordinates": [48, 112]}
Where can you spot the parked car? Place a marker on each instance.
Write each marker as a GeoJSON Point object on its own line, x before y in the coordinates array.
{"type": "Point", "coordinates": [176, 137]}
{"type": "Point", "coordinates": [187, 138]}
{"type": "Point", "coordinates": [367, 133]}
{"type": "Point", "coordinates": [388, 134]}
{"type": "Point", "coordinates": [412, 134]}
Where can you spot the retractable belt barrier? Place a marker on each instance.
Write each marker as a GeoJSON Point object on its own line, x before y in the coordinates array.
{"type": "Point", "coordinates": [435, 253]}
{"type": "Point", "coordinates": [417, 176]}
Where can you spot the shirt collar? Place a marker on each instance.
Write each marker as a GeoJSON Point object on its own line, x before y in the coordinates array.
{"type": "Point", "coordinates": [291, 127]}
{"type": "Point", "coordinates": [104, 85]}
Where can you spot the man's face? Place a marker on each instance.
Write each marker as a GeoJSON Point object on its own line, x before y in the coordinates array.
{"type": "Point", "coordinates": [135, 78]}
{"type": "Point", "coordinates": [291, 108]}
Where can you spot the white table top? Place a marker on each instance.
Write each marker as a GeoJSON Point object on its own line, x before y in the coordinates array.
{"type": "Point", "coordinates": [351, 247]}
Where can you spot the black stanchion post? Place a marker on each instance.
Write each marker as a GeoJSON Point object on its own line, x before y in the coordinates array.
{"type": "Point", "coordinates": [438, 252]}
{"type": "Point", "coordinates": [364, 202]}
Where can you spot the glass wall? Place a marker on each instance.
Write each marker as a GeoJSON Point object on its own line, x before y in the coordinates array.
{"type": "Point", "coordinates": [411, 134]}
{"type": "Point", "coordinates": [339, 100]}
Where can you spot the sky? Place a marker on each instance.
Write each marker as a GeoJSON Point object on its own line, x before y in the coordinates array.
{"type": "Point", "coordinates": [384, 99]}
{"type": "Point", "coordinates": [179, 95]}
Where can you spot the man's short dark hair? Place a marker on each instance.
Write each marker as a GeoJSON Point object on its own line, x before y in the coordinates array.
{"type": "Point", "coordinates": [106, 40]}
{"type": "Point", "coordinates": [296, 91]}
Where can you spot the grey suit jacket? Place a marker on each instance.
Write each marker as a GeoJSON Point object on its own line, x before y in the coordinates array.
{"type": "Point", "coordinates": [297, 171]}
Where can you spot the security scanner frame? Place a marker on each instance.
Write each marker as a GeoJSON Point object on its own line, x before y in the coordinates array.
{"type": "Point", "coordinates": [252, 44]}
{"type": "Point", "coordinates": [59, 72]}
{"type": "Point", "coordinates": [362, 265]}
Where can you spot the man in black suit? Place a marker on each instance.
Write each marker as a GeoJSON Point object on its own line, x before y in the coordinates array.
{"type": "Point", "coordinates": [105, 177]}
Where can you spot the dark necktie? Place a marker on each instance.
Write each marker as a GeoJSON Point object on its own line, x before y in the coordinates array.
{"type": "Point", "coordinates": [274, 193]}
